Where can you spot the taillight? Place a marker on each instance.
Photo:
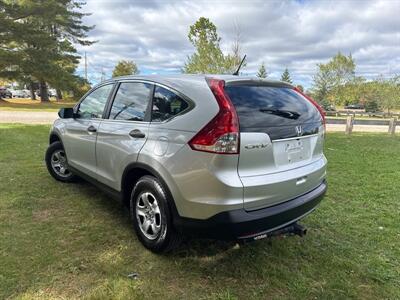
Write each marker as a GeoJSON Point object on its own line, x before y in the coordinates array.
{"type": "Point", "coordinates": [221, 134]}
{"type": "Point", "coordinates": [320, 109]}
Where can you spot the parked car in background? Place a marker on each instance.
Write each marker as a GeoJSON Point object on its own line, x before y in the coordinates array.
{"type": "Point", "coordinates": [52, 93]}
{"type": "Point", "coordinates": [5, 93]}
{"type": "Point", "coordinates": [225, 157]}
{"type": "Point", "coordinates": [27, 92]}
{"type": "Point", "coordinates": [329, 107]}
{"type": "Point", "coordinates": [19, 94]}
{"type": "Point", "coordinates": [354, 106]}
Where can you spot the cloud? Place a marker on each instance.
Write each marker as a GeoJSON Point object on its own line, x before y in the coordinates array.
{"type": "Point", "coordinates": [292, 34]}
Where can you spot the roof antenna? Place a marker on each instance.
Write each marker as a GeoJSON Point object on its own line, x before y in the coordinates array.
{"type": "Point", "coordinates": [240, 65]}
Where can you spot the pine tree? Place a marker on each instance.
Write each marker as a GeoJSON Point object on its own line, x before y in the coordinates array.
{"type": "Point", "coordinates": [262, 72]}
{"type": "Point", "coordinates": [37, 41]}
{"type": "Point", "coordinates": [286, 76]}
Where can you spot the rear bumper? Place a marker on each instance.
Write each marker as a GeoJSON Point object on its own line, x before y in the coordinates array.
{"type": "Point", "coordinates": [241, 224]}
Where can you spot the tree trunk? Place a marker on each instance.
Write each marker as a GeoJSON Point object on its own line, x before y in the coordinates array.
{"type": "Point", "coordinates": [33, 95]}
{"type": "Point", "coordinates": [59, 95]}
{"type": "Point", "coordinates": [44, 96]}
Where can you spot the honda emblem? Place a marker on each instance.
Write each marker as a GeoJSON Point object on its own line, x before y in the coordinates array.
{"type": "Point", "coordinates": [299, 130]}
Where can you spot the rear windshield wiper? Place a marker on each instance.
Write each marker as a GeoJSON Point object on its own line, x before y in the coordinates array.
{"type": "Point", "coordinates": [281, 113]}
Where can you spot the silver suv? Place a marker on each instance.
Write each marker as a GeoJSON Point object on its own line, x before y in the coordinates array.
{"type": "Point", "coordinates": [223, 157]}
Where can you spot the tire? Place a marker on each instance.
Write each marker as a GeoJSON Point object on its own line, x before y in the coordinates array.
{"type": "Point", "coordinates": [57, 163]}
{"type": "Point", "coordinates": [161, 236]}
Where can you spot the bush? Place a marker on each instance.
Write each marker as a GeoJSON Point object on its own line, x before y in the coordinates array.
{"type": "Point", "coordinates": [371, 105]}
{"type": "Point", "coordinates": [79, 90]}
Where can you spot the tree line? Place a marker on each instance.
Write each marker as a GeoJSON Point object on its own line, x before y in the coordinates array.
{"type": "Point", "coordinates": [37, 48]}
{"type": "Point", "coordinates": [335, 82]}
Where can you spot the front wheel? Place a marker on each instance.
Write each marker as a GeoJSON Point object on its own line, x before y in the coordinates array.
{"type": "Point", "coordinates": [151, 216]}
{"type": "Point", "coordinates": [57, 163]}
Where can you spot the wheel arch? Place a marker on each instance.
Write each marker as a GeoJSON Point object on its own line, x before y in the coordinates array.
{"type": "Point", "coordinates": [133, 172]}
{"type": "Point", "coordinates": [54, 137]}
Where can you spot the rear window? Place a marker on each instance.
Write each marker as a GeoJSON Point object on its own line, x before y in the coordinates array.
{"type": "Point", "coordinates": [262, 107]}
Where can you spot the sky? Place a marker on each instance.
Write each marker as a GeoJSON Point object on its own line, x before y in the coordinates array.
{"type": "Point", "coordinates": [294, 34]}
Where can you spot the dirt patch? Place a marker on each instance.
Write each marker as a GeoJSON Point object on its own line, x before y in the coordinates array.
{"type": "Point", "coordinates": [42, 215]}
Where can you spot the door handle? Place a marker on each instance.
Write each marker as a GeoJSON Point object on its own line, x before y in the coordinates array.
{"type": "Point", "coordinates": [136, 133]}
{"type": "Point", "coordinates": [91, 128]}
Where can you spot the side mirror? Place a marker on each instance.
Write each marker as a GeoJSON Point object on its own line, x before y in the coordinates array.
{"type": "Point", "coordinates": [66, 113]}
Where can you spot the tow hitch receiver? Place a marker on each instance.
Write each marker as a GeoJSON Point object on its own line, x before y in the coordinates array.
{"type": "Point", "coordinates": [295, 229]}
{"type": "Point", "coordinates": [292, 229]}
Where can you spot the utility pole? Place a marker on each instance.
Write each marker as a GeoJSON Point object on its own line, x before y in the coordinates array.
{"type": "Point", "coordinates": [85, 67]}
{"type": "Point", "coordinates": [103, 75]}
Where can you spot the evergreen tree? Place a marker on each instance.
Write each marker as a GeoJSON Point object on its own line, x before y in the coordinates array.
{"type": "Point", "coordinates": [37, 41]}
{"type": "Point", "coordinates": [262, 72]}
{"type": "Point", "coordinates": [286, 76]}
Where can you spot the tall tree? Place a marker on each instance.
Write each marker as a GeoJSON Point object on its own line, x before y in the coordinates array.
{"type": "Point", "coordinates": [208, 56]}
{"type": "Point", "coordinates": [37, 40]}
{"type": "Point", "coordinates": [286, 76]}
{"type": "Point", "coordinates": [125, 67]}
{"type": "Point", "coordinates": [332, 76]}
{"type": "Point", "coordinates": [233, 60]}
{"type": "Point", "coordinates": [262, 72]}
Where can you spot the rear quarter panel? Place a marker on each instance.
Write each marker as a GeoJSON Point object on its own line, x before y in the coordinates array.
{"type": "Point", "coordinates": [199, 182]}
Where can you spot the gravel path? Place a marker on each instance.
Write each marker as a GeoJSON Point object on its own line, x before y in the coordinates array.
{"type": "Point", "coordinates": [44, 117]}
{"type": "Point", "coordinates": [360, 128]}
{"type": "Point", "coordinates": [28, 117]}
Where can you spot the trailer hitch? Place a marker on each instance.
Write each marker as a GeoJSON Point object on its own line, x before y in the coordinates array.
{"type": "Point", "coordinates": [294, 229]}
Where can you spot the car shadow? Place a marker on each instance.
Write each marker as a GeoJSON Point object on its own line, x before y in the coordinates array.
{"type": "Point", "coordinates": [190, 246]}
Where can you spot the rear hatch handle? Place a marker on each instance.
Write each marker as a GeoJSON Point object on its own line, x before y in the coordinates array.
{"type": "Point", "coordinates": [301, 180]}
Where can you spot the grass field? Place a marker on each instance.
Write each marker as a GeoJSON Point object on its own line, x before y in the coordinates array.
{"type": "Point", "coordinates": [70, 240]}
{"type": "Point", "coordinates": [33, 105]}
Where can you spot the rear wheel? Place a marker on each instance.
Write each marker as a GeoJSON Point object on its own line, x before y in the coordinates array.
{"type": "Point", "coordinates": [151, 216]}
{"type": "Point", "coordinates": [57, 163]}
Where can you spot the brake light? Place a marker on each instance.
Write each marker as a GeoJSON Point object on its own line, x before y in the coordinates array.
{"type": "Point", "coordinates": [320, 109]}
{"type": "Point", "coordinates": [221, 134]}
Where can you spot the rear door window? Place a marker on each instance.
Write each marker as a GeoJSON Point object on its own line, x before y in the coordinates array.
{"type": "Point", "coordinates": [166, 104]}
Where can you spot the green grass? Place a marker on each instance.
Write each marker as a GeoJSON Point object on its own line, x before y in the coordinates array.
{"type": "Point", "coordinates": [71, 241]}
{"type": "Point", "coordinates": [33, 105]}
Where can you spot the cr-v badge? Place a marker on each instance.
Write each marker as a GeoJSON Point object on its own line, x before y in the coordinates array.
{"type": "Point", "coordinates": [256, 146]}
